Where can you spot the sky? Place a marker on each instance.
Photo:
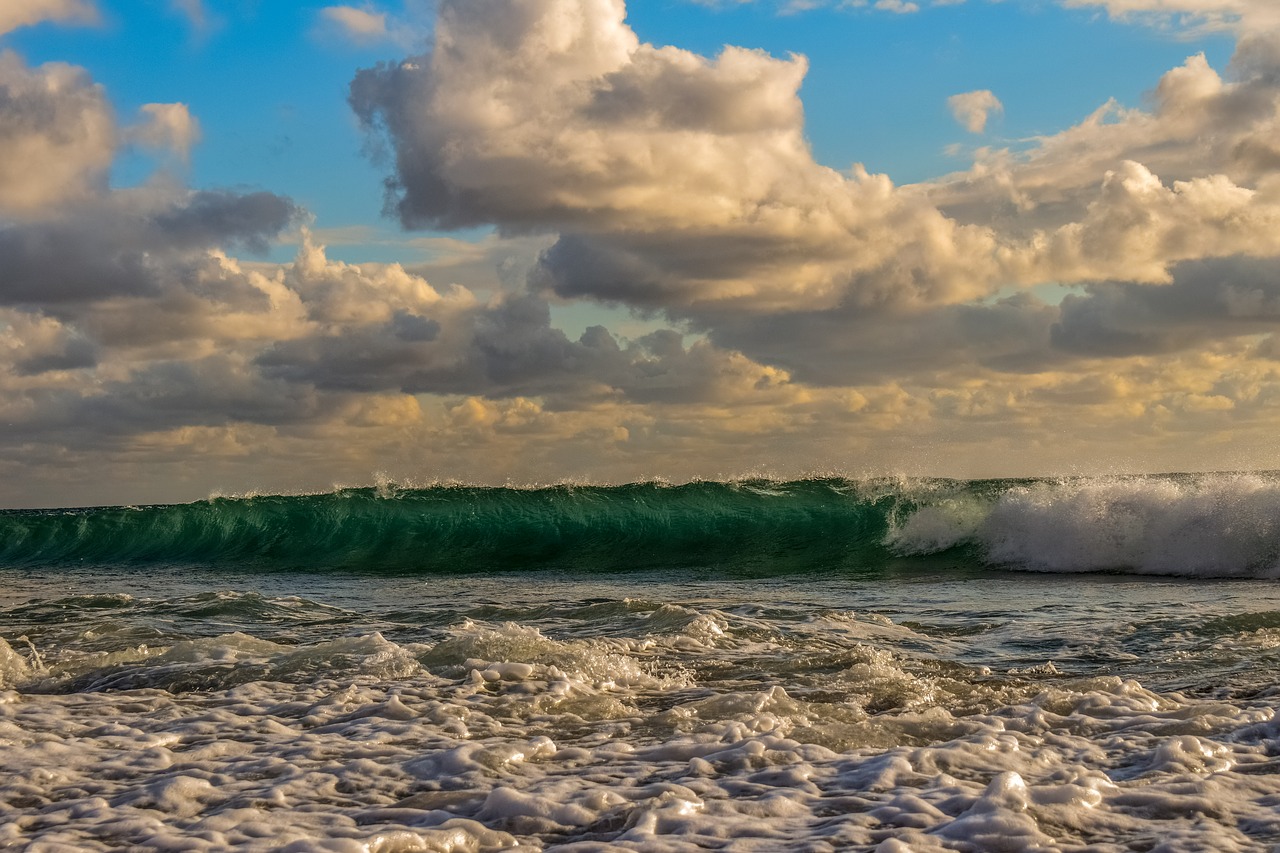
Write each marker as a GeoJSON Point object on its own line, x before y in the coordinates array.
{"type": "Point", "coordinates": [257, 247]}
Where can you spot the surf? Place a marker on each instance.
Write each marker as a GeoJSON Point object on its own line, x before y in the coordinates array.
{"type": "Point", "coordinates": [1197, 525]}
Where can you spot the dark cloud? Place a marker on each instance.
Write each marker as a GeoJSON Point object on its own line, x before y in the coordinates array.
{"type": "Point", "coordinates": [1207, 300]}
{"type": "Point", "coordinates": [164, 395]}
{"type": "Point", "coordinates": [503, 350]}
{"type": "Point", "coordinates": [849, 347]}
{"type": "Point", "coordinates": [418, 192]}
{"type": "Point", "coordinates": [125, 245]}
{"type": "Point", "coordinates": [223, 219]}
{"type": "Point", "coordinates": [75, 354]}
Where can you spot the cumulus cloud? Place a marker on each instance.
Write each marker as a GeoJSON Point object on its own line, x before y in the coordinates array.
{"type": "Point", "coordinates": [24, 13]}
{"type": "Point", "coordinates": [1128, 193]}
{"type": "Point", "coordinates": [972, 109]}
{"type": "Point", "coordinates": [346, 364]}
{"type": "Point", "coordinates": [1200, 125]}
{"type": "Point", "coordinates": [1136, 227]}
{"type": "Point", "coordinates": [673, 179]}
{"type": "Point", "coordinates": [168, 127]}
{"type": "Point", "coordinates": [378, 328]}
{"type": "Point", "coordinates": [681, 183]}
{"type": "Point", "coordinates": [216, 344]}
{"type": "Point", "coordinates": [34, 344]}
{"type": "Point", "coordinates": [57, 135]}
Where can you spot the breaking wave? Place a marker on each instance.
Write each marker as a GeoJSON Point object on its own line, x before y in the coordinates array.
{"type": "Point", "coordinates": [1211, 525]}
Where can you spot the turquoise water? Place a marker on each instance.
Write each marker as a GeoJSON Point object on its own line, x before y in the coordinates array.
{"type": "Point", "coordinates": [1191, 525]}
{"type": "Point", "coordinates": [1081, 664]}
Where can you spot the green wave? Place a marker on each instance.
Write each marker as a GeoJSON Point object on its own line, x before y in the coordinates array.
{"type": "Point", "coordinates": [751, 526]}
{"type": "Point", "coordinates": [1208, 525]}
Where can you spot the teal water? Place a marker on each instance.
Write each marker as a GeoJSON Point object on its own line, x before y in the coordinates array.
{"type": "Point", "coordinates": [1193, 525]}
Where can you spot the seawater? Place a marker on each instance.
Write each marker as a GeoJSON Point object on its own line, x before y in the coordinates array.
{"type": "Point", "coordinates": [880, 665]}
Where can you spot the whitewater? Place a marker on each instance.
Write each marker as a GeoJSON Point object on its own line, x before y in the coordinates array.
{"type": "Point", "coordinates": [892, 665]}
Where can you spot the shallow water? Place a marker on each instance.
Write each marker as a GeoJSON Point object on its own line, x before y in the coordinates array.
{"type": "Point", "coordinates": [929, 708]}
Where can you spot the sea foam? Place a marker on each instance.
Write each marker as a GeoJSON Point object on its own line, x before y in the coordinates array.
{"type": "Point", "coordinates": [1205, 526]}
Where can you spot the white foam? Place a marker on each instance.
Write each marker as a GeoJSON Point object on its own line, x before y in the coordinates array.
{"type": "Point", "coordinates": [509, 739]}
{"type": "Point", "coordinates": [1216, 525]}
{"type": "Point", "coordinates": [734, 727]}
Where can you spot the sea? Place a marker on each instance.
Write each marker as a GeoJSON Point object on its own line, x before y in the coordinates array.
{"type": "Point", "coordinates": [896, 665]}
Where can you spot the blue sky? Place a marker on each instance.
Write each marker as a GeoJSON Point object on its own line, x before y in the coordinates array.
{"type": "Point", "coordinates": [631, 240]}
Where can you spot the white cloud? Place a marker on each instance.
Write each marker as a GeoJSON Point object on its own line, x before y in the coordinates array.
{"type": "Point", "coordinates": [972, 109]}
{"type": "Point", "coordinates": [684, 184]}
{"type": "Point", "coordinates": [674, 180]}
{"type": "Point", "coordinates": [57, 135]}
{"type": "Point", "coordinates": [1242, 15]}
{"type": "Point", "coordinates": [166, 126]}
{"type": "Point", "coordinates": [359, 24]}
{"type": "Point", "coordinates": [1137, 228]}
{"type": "Point", "coordinates": [1126, 193]}
{"type": "Point", "coordinates": [899, 7]}
{"type": "Point", "coordinates": [24, 13]}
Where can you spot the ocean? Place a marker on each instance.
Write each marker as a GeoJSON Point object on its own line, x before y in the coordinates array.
{"type": "Point", "coordinates": [891, 665]}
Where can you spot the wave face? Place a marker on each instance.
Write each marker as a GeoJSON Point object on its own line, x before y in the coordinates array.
{"type": "Point", "coordinates": [1211, 525]}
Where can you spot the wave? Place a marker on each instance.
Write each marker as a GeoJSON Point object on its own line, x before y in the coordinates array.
{"type": "Point", "coordinates": [1219, 525]}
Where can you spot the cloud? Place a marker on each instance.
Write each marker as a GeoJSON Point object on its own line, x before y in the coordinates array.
{"type": "Point", "coordinates": [684, 184]}
{"type": "Point", "coordinates": [359, 24]}
{"type": "Point", "coordinates": [130, 242]}
{"type": "Point", "coordinates": [193, 10]}
{"type": "Point", "coordinates": [816, 319]}
{"type": "Point", "coordinates": [900, 7]}
{"type": "Point", "coordinates": [329, 369]}
{"type": "Point", "coordinates": [1206, 301]}
{"type": "Point", "coordinates": [1136, 228]}
{"type": "Point", "coordinates": [1182, 15]}
{"type": "Point", "coordinates": [216, 348]}
{"type": "Point", "coordinates": [166, 126]}
{"type": "Point", "coordinates": [791, 7]}
{"type": "Point", "coordinates": [1127, 193]}
{"type": "Point", "coordinates": [971, 109]}
{"type": "Point", "coordinates": [673, 179]}
{"type": "Point", "coordinates": [1200, 124]}
{"type": "Point", "coordinates": [367, 25]}
{"type": "Point", "coordinates": [35, 344]}
{"type": "Point", "coordinates": [24, 13]}
{"type": "Point", "coordinates": [377, 328]}
{"type": "Point", "coordinates": [1242, 15]}
{"type": "Point", "coordinates": [57, 136]}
